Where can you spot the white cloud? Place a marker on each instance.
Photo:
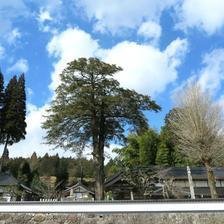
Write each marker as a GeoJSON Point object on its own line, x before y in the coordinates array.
{"type": "Point", "coordinates": [145, 68]}
{"type": "Point", "coordinates": [2, 52]}
{"type": "Point", "coordinates": [212, 74]}
{"type": "Point", "coordinates": [49, 11]}
{"type": "Point", "coordinates": [205, 15]}
{"type": "Point", "coordinates": [116, 14]}
{"type": "Point", "coordinates": [68, 45]}
{"type": "Point", "coordinates": [44, 15]}
{"type": "Point", "coordinates": [13, 36]}
{"type": "Point", "coordinates": [29, 92]}
{"type": "Point", "coordinates": [150, 30]}
{"type": "Point", "coordinates": [20, 66]}
{"type": "Point", "coordinates": [10, 10]}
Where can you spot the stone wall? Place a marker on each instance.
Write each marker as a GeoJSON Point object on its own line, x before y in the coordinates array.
{"type": "Point", "coordinates": [143, 218]}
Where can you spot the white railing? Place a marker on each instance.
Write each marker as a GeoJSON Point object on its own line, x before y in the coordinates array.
{"type": "Point", "coordinates": [113, 207]}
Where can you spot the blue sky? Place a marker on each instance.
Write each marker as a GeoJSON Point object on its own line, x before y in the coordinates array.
{"type": "Point", "coordinates": [160, 45]}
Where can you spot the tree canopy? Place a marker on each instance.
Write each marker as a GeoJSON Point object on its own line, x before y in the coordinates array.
{"type": "Point", "coordinates": [12, 111]}
{"type": "Point", "coordinates": [91, 109]}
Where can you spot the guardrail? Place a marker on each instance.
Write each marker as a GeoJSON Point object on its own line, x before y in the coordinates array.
{"type": "Point", "coordinates": [171, 206]}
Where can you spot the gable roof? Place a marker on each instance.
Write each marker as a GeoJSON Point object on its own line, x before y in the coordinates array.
{"type": "Point", "coordinates": [6, 179]}
{"type": "Point", "coordinates": [113, 179]}
{"type": "Point", "coordinates": [78, 186]}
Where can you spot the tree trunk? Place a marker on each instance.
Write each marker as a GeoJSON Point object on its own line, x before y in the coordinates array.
{"type": "Point", "coordinates": [5, 148]}
{"type": "Point", "coordinates": [98, 156]}
{"type": "Point", "coordinates": [99, 186]}
{"type": "Point", "coordinates": [211, 180]}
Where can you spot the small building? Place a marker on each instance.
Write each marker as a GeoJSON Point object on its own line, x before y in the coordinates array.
{"type": "Point", "coordinates": [78, 192]}
{"type": "Point", "coordinates": [200, 181]}
{"type": "Point", "coordinates": [173, 179]}
{"type": "Point", "coordinates": [8, 187]}
{"type": "Point", "coordinates": [11, 189]}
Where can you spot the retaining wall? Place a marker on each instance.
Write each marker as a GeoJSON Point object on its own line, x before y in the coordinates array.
{"type": "Point", "coordinates": [140, 218]}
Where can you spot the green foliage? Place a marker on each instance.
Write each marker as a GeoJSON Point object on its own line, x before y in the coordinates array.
{"type": "Point", "coordinates": [39, 187]}
{"type": "Point", "coordinates": [21, 107]}
{"type": "Point", "coordinates": [25, 174]}
{"type": "Point", "coordinates": [128, 156]}
{"type": "Point", "coordinates": [33, 162]}
{"type": "Point", "coordinates": [111, 168]}
{"type": "Point", "coordinates": [91, 108]}
{"type": "Point", "coordinates": [2, 102]}
{"type": "Point", "coordinates": [90, 104]}
{"type": "Point", "coordinates": [15, 164]}
{"type": "Point", "coordinates": [12, 112]}
{"type": "Point", "coordinates": [140, 150]}
{"type": "Point", "coordinates": [148, 144]}
{"type": "Point", "coordinates": [62, 174]}
{"type": "Point", "coordinates": [48, 166]}
{"type": "Point", "coordinates": [162, 157]}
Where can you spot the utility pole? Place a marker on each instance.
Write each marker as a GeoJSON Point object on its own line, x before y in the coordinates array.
{"type": "Point", "coordinates": [191, 184]}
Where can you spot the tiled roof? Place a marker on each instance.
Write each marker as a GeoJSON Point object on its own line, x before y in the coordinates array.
{"type": "Point", "coordinates": [7, 179]}
{"type": "Point", "coordinates": [180, 173]}
{"type": "Point", "coordinates": [198, 173]}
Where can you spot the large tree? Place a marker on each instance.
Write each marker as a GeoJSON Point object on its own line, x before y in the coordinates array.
{"type": "Point", "coordinates": [90, 108]}
{"type": "Point", "coordinates": [2, 102]}
{"type": "Point", "coordinates": [198, 126]}
{"type": "Point", "coordinates": [12, 113]}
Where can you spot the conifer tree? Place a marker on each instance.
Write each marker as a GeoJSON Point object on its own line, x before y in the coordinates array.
{"type": "Point", "coordinates": [24, 174]}
{"type": "Point", "coordinates": [92, 109]}
{"type": "Point", "coordinates": [21, 107]}
{"type": "Point", "coordinates": [34, 162]}
{"type": "Point", "coordinates": [162, 157]}
{"type": "Point", "coordinates": [13, 111]}
{"type": "Point", "coordinates": [1, 103]}
{"type": "Point", "coordinates": [10, 122]}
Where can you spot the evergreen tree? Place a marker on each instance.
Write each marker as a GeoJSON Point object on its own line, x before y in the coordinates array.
{"type": "Point", "coordinates": [10, 126]}
{"type": "Point", "coordinates": [62, 174]}
{"type": "Point", "coordinates": [25, 174]}
{"type": "Point", "coordinates": [162, 157]}
{"type": "Point", "coordinates": [91, 108]}
{"type": "Point", "coordinates": [14, 112]}
{"type": "Point", "coordinates": [148, 145]}
{"type": "Point", "coordinates": [34, 161]}
{"type": "Point", "coordinates": [2, 103]}
{"type": "Point", "coordinates": [21, 107]}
